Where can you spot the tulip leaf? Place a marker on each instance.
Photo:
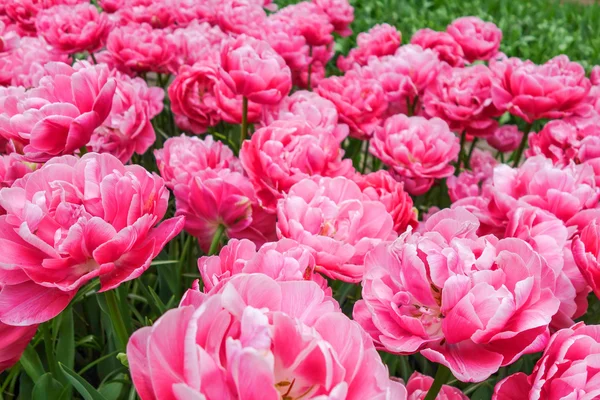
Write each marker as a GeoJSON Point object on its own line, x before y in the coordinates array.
{"type": "Point", "coordinates": [30, 360]}
{"type": "Point", "coordinates": [47, 388]}
{"type": "Point", "coordinates": [87, 391]}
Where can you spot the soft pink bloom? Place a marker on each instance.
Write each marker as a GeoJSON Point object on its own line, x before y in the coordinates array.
{"type": "Point", "coordinates": [463, 98]}
{"type": "Point", "coordinates": [447, 49]}
{"type": "Point", "coordinates": [505, 138]}
{"type": "Point", "coordinates": [311, 21]}
{"type": "Point", "coordinates": [285, 152]}
{"type": "Point", "coordinates": [595, 75]}
{"type": "Point", "coordinates": [74, 220]}
{"type": "Point", "coordinates": [13, 168]}
{"type": "Point", "coordinates": [466, 184]}
{"type": "Point", "coordinates": [199, 42]}
{"type": "Point", "coordinates": [159, 14]}
{"type": "Point", "coordinates": [73, 29]}
{"type": "Point", "coordinates": [9, 38]}
{"type": "Point", "coordinates": [256, 338]}
{"type": "Point", "coordinates": [567, 369]}
{"type": "Point", "coordinates": [111, 6]}
{"type": "Point", "coordinates": [317, 111]}
{"type": "Point", "coordinates": [586, 253]}
{"type": "Point", "coordinates": [340, 13]}
{"type": "Point", "coordinates": [360, 102]}
{"type": "Point", "coordinates": [483, 163]}
{"type": "Point", "coordinates": [221, 197]}
{"type": "Point", "coordinates": [128, 128]}
{"type": "Point", "coordinates": [230, 105]}
{"type": "Point", "coordinates": [421, 65]}
{"type": "Point", "coordinates": [59, 115]}
{"type": "Point", "coordinates": [192, 96]}
{"type": "Point", "coordinates": [183, 157]}
{"type": "Point", "coordinates": [479, 40]}
{"type": "Point", "coordinates": [24, 12]}
{"type": "Point", "coordinates": [284, 260]}
{"type": "Point", "coordinates": [139, 48]}
{"type": "Point", "coordinates": [13, 340]}
{"type": "Point", "coordinates": [241, 16]}
{"type": "Point", "coordinates": [337, 221]}
{"type": "Point", "coordinates": [380, 40]}
{"type": "Point", "coordinates": [418, 385]}
{"type": "Point", "coordinates": [251, 68]}
{"type": "Point", "coordinates": [287, 40]}
{"type": "Point", "coordinates": [472, 304]}
{"type": "Point", "coordinates": [553, 90]}
{"type": "Point", "coordinates": [381, 186]}
{"type": "Point", "coordinates": [415, 147]}
{"type": "Point", "coordinates": [320, 57]}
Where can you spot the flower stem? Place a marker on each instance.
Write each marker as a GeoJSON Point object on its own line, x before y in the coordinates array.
{"type": "Point", "coordinates": [214, 245]}
{"type": "Point", "coordinates": [49, 347]}
{"type": "Point", "coordinates": [310, 53]}
{"type": "Point", "coordinates": [82, 150]}
{"type": "Point", "coordinates": [442, 376]}
{"type": "Point", "coordinates": [519, 153]}
{"type": "Point", "coordinates": [364, 165]}
{"type": "Point", "coordinates": [244, 132]}
{"type": "Point", "coordinates": [463, 138]}
{"type": "Point", "coordinates": [117, 319]}
{"type": "Point", "coordinates": [468, 160]}
{"type": "Point", "coordinates": [93, 58]}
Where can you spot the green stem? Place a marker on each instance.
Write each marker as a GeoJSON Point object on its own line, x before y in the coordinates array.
{"type": "Point", "coordinates": [519, 153]}
{"type": "Point", "coordinates": [93, 58]}
{"type": "Point", "coordinates": [244, 132]}
{"type": "Point", "coordinates": [442, 376]}
{"type": "Point", "coordinates": [214, 245]}
{"type": "Point", "coordinates": [310, 53]}
{"type": "Point", "coordinates": [463, 138]}
{"type": "Point", "coordinates": [468, 160]}
{"type": "Point", "coordinates": [82, 151]}
{"type": "Point", "coordinates": [49, 347]}
{"type": "Point", "coordinates": [364, 165]}
{"type": "Point", "coordinates": [117, 319]}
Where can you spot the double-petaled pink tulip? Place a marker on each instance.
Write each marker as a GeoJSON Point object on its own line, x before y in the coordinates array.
{"type": "Point", "coordinates": [311, 21]}
{"type": "Point", "coordinates": [240, 17]}
{"type": "Point", "coordinates": [73, 29]}
{"type": "Point", "coordinates": [13, 340]}
{"type": "Point", "coordinates": [24, 12]}
{"type": "Point", "coordinates": [380, 40]}
{"type": "Point", "coordinates": [199, 42]}
{"type": "Point", "coordinates": [340, 13]}
{"type": "Point", "coordinates": [337, 221]}
{"type": "Point", "coordinates": [586, 253]}
{"type": "Point", "coordinates": [285, 152]}
{"type": "Point", "coordinates": [418, 385]}
{"type": "Point", "coordinates": [505, 138]}
{"type": "Point", "coordinates": [13, 168]}
{"type": "Point", "coordinates": [74, 220]}
{"type": "Point", "coordinates": [479, 40]}
{"type": "Point", "coordinates": [416, 148]}
{"type": "Point", "coordinates": [254, 337]}
{"type": "Point", "coordinates": [446, 47]}
{"type": "Point", "coordinates": [472, 304]}
{"type": "Point", "coordinates": [251, 68]}
{"type": "Point", "coordinates": [556, 89]}
{"type": "Point", "coordinates": [473, 182]}
{"type": "Point", "coordinates": [568, 369]}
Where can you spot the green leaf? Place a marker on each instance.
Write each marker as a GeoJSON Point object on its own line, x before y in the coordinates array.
{"type": "Point", "coordinates": [32, 364]}
{"type": "Point", "coordinates": [65, 348]}
{"type": "Point", "coordinates": [87, 391]}
{"type": "Point", "coordinates": [47, 388]}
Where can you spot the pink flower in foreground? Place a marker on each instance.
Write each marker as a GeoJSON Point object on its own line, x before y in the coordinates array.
{"type": "Point", "coordinates": [59, 115]}
{"type": "Point", "coordinates": [479, 40]}
{"type": "Point", "coordinates": [13, 340]}
{"type": "Point", "coordinates": [74, 220]}
{"type": "Point", "coordinates": [183, 157]}
{"type": "Point", "coordinates": [193, 99]}
{"type": "Point", "coordinates": [285, 152]}
{"type": "Point", "coordinates": [287, 339]}
{"type": "Point", "coordinates": [337, 221]}
{"type": "Point", "coordinates": [340, 13]}
{"type": "Point", "coordinates": [472, 304]}
{"type": "Point", "coordinates": [418, 385]}
{"type": "Point", "coordinates": [251, 68]}
{"type": "Point", "coordinates": [360, 102]}
{"type": "Point", "coordinates": [415, 147]}
{"type": "Point", "coordinates": [556, 89]}
{"type": "Point", "coordinates": [380, 40]}
{"type": "Point", "coordinates": [463, 98]}
{"type": "Point", "coordinates": [586, 253]}
{"type": "Point", "coordinates": [73, 29]}
{"type": "Point", "coordinates": [381, 186]}
{"type": "Point", "coordinates": [505, 138]}
{"type": "Point", "coordinates": [567, 369]}
{"type": "Point", "coordinates": [447, 49]}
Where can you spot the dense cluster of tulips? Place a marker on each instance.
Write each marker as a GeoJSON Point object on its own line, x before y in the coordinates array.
{"type": "Point", "coordinates": [452, 191]}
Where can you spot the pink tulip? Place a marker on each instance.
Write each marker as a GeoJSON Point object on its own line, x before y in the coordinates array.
{"type": "Point", "coordinates": [310, 20]}
{"type": "Point", "coordinates": [595, 75]}
{"type": "Point", "coordinates": [287, 40]}
{"type": "Point", "coordinates": [285, 152]}
{"type": "Point", "coordinates": [251, 68]}
{"type": "Point", "coordinates": [479, 40]}
{"type": "Point", "coordinates": [556, 89]}
{"type": "Point", "coordinates": [380, 40]}
{"type": "Point", "coordinates": [59, 115]}
{"type": "Point", "coordinates": [183, 157]}
{"type": "Point", "coordinates": [566, 370]}
{"type": "Point", "coordinates": [230, 105]}
{"type": "Point", "coordinates": [199, 43]}
{"type": "Point", "coordinates": [241, 16]}
{"type": "Point", "coordinates": [476, 181]}
{"type": "Point", "coordinates": [253, 337]}
{"type": "Point", "coordinates": [586, 251]}
{"type": "Point", "coordinates": [24, 12]}
{"type": "Point", "coordinates": [73, 29]}
{"type": "Point", "coordinates": [13, 168]}
{"type": "Point", "coordinates": [337, 221]}
{"type": "Point", "coordinates": [415, 147]}
{"type": "Point", "coordinates": [317, 111]}
{"type": "Point", "coordinates": [111, 6]}
{"type": "Point", "coordinates": [418, 385]}
{"type": "Point", "coordinates": [360, 102]}
{"type": "Point", "coordinates": [442, 43]}
{"type": "Point", "coordinates": [139, 48]}
{"type": "Point", "coordinates": [340, 13]}
{"type": "Point", "coordinates": [192, 97]}
{"type": "Point", "coordinates": [381, 186]}
{"type": "Point", "coordinates": [505, 138]}
{"type": "Point", "coordinates": [472, 304]}
{"type": "Point", "coordinates": [74, 220]}
{"type": "Point", "coordinates": [9, 38]}
{"type": "Point", "coordinates": [159, 14]}
{"type": "Point", "coordinates": [13, 340]}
